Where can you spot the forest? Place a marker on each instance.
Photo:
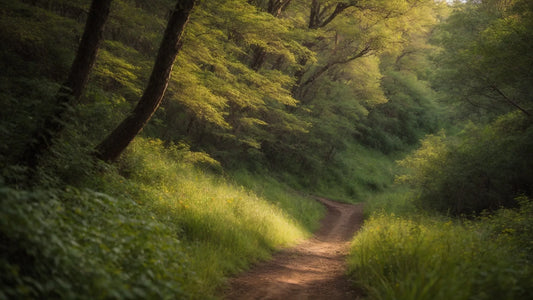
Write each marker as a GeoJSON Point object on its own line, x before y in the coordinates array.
{"type": "Point", "coordinates": [153, 149]}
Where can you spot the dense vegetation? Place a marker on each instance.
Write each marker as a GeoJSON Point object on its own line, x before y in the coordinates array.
{"type": "Point", "coordinates": [458, 225]}
{"type": "Point", "coordinates": [164, 231]}
{"type": "Point", "coordinates": [241, 108]}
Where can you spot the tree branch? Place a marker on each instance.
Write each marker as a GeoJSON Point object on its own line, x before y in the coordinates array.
{"type": "Point", "coordinates": [508, 100]}
{"type": "Point", "coordinates": [328, 66]}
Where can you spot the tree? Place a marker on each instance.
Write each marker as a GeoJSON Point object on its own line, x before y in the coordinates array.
{"type": "Point", "coordinates": [113, 145]}
{"type": "Point", "coordinates": [323, 12]}
{"type": "Point", "coordinates": [349, 30]}
{"type": "Point", "coordinates": [337, 91]}
{"type": "Point", "coordinates": [219, 103]}
{"type": "Point", "coordinates": [275, 8]}
{"type": "Point", "coordinates": [485, 65]}
{"type": "Point", "coordinates": [73, 87]}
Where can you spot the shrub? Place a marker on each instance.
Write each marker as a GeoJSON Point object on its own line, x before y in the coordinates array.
{"type": "Point", "coordinates": [485, 167]}
{"type": "Point", "coordinates": [81, 244]}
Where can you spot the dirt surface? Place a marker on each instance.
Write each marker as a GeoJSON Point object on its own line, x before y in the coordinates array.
{"type": "Point", "coordinates": [315, 269]}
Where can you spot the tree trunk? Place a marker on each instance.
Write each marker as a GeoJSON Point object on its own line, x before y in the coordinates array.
{"type": "Point", "coordinates": [317, 15]}
{"type": "Point", "coordinates": [73, 87]}
{"type": "Point", "coordinates": [276, 7]}
{"type": "Point", "coordinates": [314, 19]}
{"type": "Point", "coordinates": [259, 54]}
{"type": "Point", "coordinates": [90, 42]}
{"type": "Point", "coordinates": [112, 146]}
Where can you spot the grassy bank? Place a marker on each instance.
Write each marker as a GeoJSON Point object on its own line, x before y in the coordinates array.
{"type": "Point", "coordinates": [153, 227]}
{"type": "Point", "coordinates": [408, 255]}
{"type": "Point", "coordinates": [357, 173]}
{"type": "Point", "coordinates": [460, 226]}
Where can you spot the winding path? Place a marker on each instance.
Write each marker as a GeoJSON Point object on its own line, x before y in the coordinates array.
{"type": "Point", "coordinates": [315, 269]}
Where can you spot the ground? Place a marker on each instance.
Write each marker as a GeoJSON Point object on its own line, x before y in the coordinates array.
{"type": "Point", "coordinates": [315, 269]}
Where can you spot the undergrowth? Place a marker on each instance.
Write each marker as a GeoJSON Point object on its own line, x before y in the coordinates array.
{"type": "Point", "coordinates": [153, 227]}
{"type": "Point", "coordinates": [359, 173]}
{"type": "Point", "coordinates": [397, 199]}
{"type": "Point", "coordinates": [417, 256]}
{"type": "Point", "coordinates": [463, 226]}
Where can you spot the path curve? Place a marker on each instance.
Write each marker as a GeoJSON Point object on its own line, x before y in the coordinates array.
{"type": "Point", "coordinates": [314, 269]}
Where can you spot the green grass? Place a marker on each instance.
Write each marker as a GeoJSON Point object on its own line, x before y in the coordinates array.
{"type": "Point", "coordinates": [359, 173]}
{"type": "Point", "coordinates": [397, 199]}
{"type": "Point", "coordinates": [428, 257]}
{"type": "Point", "coordinates": [154, 227]}
{"type": "Point", "coordinates": [226, 226]}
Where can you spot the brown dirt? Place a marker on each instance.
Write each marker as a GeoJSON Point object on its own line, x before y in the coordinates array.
{"type": "Point", "coordinates": [315, 269]}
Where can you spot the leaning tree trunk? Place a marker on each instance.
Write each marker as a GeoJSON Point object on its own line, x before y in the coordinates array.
{"type": "Point", "coordinates": [112, 146]}
{"type": "Point", "coordinates": [73, 87]}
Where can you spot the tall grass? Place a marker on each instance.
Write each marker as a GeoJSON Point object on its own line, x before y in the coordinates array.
{"type": "Point", "coordinates": [154, 227]}
{"type": "Point", "coordinates": [224, 225]}
{"type": "Point", "coordinates": [423, 257]}
{"type": "Point", "coordinates": [397, 199]}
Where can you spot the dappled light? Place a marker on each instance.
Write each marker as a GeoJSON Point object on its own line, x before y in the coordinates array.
{"type": "Point", "coordinates": [187, 149]}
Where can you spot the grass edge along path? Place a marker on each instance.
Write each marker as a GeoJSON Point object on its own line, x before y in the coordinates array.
{"type": "Point", "coordinates": [153, 228]}
{"type": "Point", "coordinates": [313, 269]}
{"type": "Point", "coordinates": [416, 256]}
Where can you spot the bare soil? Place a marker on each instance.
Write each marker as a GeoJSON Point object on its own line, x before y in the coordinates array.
{"type": "Point", "coordinates": [315, 269]}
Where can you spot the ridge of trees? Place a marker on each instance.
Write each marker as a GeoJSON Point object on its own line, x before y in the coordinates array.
{"type": "Point", "coordinates": [255, 82]}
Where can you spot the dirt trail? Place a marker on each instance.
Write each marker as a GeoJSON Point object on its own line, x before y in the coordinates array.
{"type": "Point", "coordinates": [312, 270]}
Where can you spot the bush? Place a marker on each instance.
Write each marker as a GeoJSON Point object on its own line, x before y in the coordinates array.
{"type": "Point", "coordinates": [485, 167]}
{"type": "Point", "coordinates": [81, 244]}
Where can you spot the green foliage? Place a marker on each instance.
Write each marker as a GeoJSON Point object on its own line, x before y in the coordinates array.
{"type": "Point", "coordinates": [160, 230]}
{"type": "Point", "coordinates": [426, 258]}
{"type": "Point", "coordinates": [216, 93]}
{"type": "Point", "coordinates": [408, 115]}
{"type": "Point", "coordinates": [37, 47]}
{"type": "Point", "coordinates": [254, 91]}
{"type": "Point", "coordinates": [484, 63]}
{"type": "Point", "coordinates": [83, 244]}
{"type": "Point", "coordinates": [217, 101]}
{"type": "Point", "coordinates": [224, 226]}
{"type": "Point", "coordinates": [115, 74]}
{"type": "Point", "coordinates": [514, 225]}
{"type": "Point", "coordinates": [486, 167]}
{"type": "Point", "coordinates": [36, 41]}
{"type": "Point", "coordinates": [357, 174]}
{"type": "Point", "coordinates": [396, 199]}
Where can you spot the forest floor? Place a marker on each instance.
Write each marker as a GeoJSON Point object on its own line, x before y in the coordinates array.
{"type": "Point", "coordinates": [314, 269]}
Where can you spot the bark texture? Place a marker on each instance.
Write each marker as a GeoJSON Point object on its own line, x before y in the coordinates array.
{"type": "Point", "coordinates": [321, 15]}
{"type": "Point", "coordinates": [112, 146]}
{"type": "Point", "coordinates": [73, 87]}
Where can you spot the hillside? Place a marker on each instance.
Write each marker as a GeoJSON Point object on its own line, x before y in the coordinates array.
{"type": "Point", "coordinates": [159, 149]}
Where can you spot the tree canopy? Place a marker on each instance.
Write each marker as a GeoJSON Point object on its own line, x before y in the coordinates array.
{"type": "Point", "coordinates": [148, 148]}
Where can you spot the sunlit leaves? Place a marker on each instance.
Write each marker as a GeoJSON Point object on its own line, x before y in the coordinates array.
{"type": "Point", "coordinates": [216, 83]}
{"type": "Point", "coordinates": [114, 73]}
